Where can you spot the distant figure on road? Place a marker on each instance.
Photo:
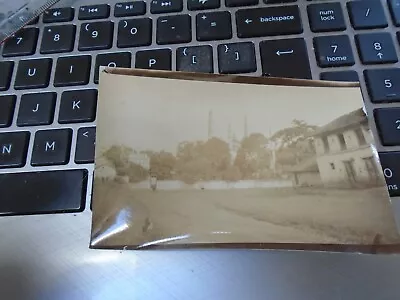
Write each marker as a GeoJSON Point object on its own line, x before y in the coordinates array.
{"type": "Point", "coordinates": [153, 182]}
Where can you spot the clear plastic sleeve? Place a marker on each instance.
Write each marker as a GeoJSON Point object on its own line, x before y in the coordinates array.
{"type": "Point", "coordinates": [194, 160]}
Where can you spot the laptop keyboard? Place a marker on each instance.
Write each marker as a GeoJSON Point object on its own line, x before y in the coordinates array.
{"type": "Point", "coordinates": [49, 75]}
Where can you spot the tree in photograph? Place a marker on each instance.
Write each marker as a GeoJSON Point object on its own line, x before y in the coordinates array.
{"type": "Point", "coordinates": [216, 151]}
{"type": "Point", "coordinates": [252, 157]}
{"type": "Point", "coordinates": [199, 161]}
{"type": "Point", "coordinates": [162, 164]}
{"type": "Point", "coordinates": [292, 144]}
{"type": "Point", "coordinates": [118, 156]}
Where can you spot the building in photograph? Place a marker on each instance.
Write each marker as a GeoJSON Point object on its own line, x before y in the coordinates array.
{"type": "Point", "coordinates": [104, 169]}
{"type": "Point", "coordinates": [141, 159]}
{"type": "Point", "coordinates": [344, 153]}
{"type": "Point", "coordinates": [306, 173]}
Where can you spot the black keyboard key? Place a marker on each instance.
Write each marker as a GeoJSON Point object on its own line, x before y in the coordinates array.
{"type": "Point", "coordinates": [13, 149]}
{"type": "Point", "coordinates": [390, 162]}
{"type": "Point", "coordinates": [333, 51]}
{"type": "Point", "coordinates": [33, 73]}
{"type": "Point", "coordinates": [36, 109]}
{"type": "Point", "coordinates": [58, 39]}
{"type": "Point", "coordinates": [383, 84]}
{"type": "Point", "coordinates": [91, 12]}
{"type": "Point", "coordinates": [233, 3]}
{"type": "Point", "coordinates": [41, 192]}
{"type": "Point", "coordinates": [78, 106]}
{"type": "Point", "coordinates": [394, 7]}
{"type": "Point", "coordinates": [33, 21]}
{"type": "Point", "coordinates": [213, 26]}
{"type": "Point", "coordinates": [348, 76]}
{"type": "Point", "coordinates": [72, 70]}
{"type": "Point", "coordinates": [7, 105]}
{"type": "Point", "coordinates": [96, 36]}
{"type": "Point", "coordinates": [6, 69]}
{"type": "Point", "coordinates": [268, 21]}
{"type": "Point", "coordinates": [326, 17]}
{"type": "Point", "coordinates": [51, 147]}
{"type": "Point", "coordinates": [194, 59]}
{"type": "Point", "coordinates": [134, 33]}
{"type": "Point", "coordinates": [366, 14]}
{"type": "Point", "coordinates": [236, 58]}
{"type": "Point", "coordinates": [388, 125]}
{"type": "Point", "coordinates": [285, 58]}
{"type": "Point", "coordinates": [63, 14]}
{"type": "Point", "coordinates": [22, 43]}
{"type": "Point", "coordinates": [121, 60]}
{"type": "Point", "coordinates": [278, 1]}
{"type": "Point", "coordinates": [130, 9]}
{"type": "Point", "coordinates": [85, 145]}
{"type": "Point", "coordinates": [376, 48]}
{"type": "Point", "coordinates": [154, 59]}
{"type": "Point", "coordinates": [200, 5]}
{"type": "Point", "coordinates": [174, 29]}
{"type": "Point", "coordinates": [165, 6]}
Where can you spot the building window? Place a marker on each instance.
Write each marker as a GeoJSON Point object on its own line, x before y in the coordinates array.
{"type": "Point", "coordinates": [326, 144]}
{"type": "Point", "coordinates": [332, 166]}
{"type": "Point", "coordinates": [360, 137]}
{"type": "Point", "coordinates": [372, 168]}
{"type": "Point", "coordinates": [342, 142]}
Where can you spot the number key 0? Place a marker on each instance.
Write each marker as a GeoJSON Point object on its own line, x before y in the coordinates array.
{"type": "Point", "coordinates": [388, 123]}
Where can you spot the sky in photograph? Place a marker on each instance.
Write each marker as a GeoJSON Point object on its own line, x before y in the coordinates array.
{"type": "Point", "coordinates": [157, 114]}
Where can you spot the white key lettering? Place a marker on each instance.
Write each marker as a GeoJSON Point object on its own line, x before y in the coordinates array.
{"type": "Point", "coordinates": [31, 72]}
{"type": "Point", "coordinates": [75, 104]}
{"type": "Point", "coordinates": [36, 108]}
{"type": "Point", "coordinates": [51, 146]}
{"type": "Point", "coordinates": [237, 57]}
{"type": "Point", "coordinates": [388, 173]}
{"type": "Point", "coordinates": [6, 149]}
{"type": "Point", "coordinates": [152, 61]}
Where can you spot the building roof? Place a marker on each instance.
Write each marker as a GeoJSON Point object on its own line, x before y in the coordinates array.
{"type": "Point", "coordinates": [353, 118]}
{"type": "Point", "coordinates": [307, 165]}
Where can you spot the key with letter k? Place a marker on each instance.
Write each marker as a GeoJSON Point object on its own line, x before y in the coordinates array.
{"type": "Point", "coordinates": [78, 106]}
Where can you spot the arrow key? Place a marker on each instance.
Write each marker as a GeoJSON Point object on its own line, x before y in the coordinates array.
{"type": "Point", "coordinates": [376, 48]}
{"type": "Point", "coordinates": [85, 145]}
{"type": "Point", "coordinates": [285, 58]}
{"type": "Point", "coordinates": [236, 58]}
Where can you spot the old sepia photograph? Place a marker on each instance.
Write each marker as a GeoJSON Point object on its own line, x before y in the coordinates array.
{"type": "Point", "coordinates": [235, 164]}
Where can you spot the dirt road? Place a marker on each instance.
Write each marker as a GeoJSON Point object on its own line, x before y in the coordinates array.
{"type": "Point", "coordinates": [247, 215]}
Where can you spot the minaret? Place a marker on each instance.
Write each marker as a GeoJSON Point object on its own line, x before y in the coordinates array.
{"type": "Point", "coordinates": [210, 124]}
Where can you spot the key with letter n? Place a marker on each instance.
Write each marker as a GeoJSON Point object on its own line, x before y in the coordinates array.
{"type": "Point", "coordinates": [13, 149]}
